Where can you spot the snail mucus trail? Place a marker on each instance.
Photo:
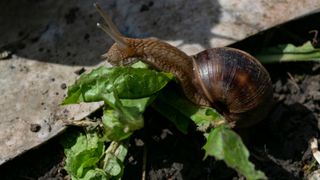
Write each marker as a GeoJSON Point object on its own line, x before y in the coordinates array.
{"type": "Point", "coordinates": [227, 79]}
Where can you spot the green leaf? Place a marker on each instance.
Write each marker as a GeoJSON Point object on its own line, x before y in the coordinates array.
{"type": "Point", "coordinates": [128, 82]}
{"type": "Point", "coordinates": [289, 52]}
{"type": "Point", "coordinates": [178, 119]}
{"type": "Point", "coordinates": [113, 167]}
{"type": "Point", "coordinates": [126, 117]}
{"type": "Point", "coordinates": [140, 64]}
{"type": "Point", "coordinates": [127, 91]}
{"type": "Point", "coordinates": [113, 128]}
{"type": "Point", "coordinates": [222, 142]}
{"type": "Point", "coordinates": [174, 106]}
{"type": "Point", "coordinates": [83, 152]}
{"type": "Point", "coordinates": [225, 144]}
{"type": "Point", "coordinates": [113, 162]}
{"type": "Point", "coordinates": [94, 174]}
{"type": "Point", "coordinates": [121, 151]}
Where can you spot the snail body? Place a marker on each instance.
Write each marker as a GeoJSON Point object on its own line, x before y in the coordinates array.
{"type": "Point", "coordinates": [228, 79]}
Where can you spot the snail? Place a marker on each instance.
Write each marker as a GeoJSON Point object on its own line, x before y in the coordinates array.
{"type": "Point", "coordinates": [227, 79]}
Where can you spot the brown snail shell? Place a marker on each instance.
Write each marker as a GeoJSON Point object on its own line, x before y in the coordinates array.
{"type": "Point", "coordinates": [235, 83]}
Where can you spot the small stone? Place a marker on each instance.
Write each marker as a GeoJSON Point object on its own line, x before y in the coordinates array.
{"type": "Point", "coordinates": [138, 142]}
{"type": "Point", "coordinates": [316, 96]}
{"type": "Point", "coordinates": [278, 86]}
{"type": "Point", "coordinates": [165, 133]}
{"type": "Point", "coordinates": [5, 54]}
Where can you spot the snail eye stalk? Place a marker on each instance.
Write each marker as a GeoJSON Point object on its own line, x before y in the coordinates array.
{"type": "Point", "coordinates": [110, 28]}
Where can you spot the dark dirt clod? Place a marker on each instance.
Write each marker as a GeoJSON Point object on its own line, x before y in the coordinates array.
{"type": "Point", "coordinates": [35, 127]}
{"type": "Point", "coordinates": [63, 86]}
{"type": "Point", "coordinates": [86, 36]}
{"type": "Point", "coordinates": [80, 71]}
{"type": "Point", "coordinates": [146, 7]}
{"type": "Point", "coordinates": [70, 17]}
{"type": "Point", "coordinates": [34, 39]}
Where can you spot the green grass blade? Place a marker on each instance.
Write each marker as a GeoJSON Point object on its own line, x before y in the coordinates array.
{"type": "Point", "coordinates": [288, 53]}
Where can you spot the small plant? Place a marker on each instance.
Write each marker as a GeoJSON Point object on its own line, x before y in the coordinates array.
{"type": "Point", "coordinates": [126, 92]}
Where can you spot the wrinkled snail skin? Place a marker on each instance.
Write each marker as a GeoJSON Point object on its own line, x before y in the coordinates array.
{"type": "Point", "coordinates": [228, 79]}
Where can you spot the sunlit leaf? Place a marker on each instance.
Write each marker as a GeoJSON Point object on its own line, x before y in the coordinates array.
{"type": "Point", "coordinates": [225, 144]}
{"type": "Point", "coordinates": [128, 82]}
{"type": "Point", "coordinates": [83, 152]}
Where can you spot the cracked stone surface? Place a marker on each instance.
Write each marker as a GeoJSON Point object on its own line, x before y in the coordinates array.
{"type": "Point", "coordinates": [51, 40]}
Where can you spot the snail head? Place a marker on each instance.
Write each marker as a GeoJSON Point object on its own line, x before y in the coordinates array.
{"type": "Point", "coordinates": [120, 53]}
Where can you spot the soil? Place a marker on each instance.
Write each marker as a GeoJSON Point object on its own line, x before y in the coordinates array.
{"type": "Point", "coordinates": [279, 145]}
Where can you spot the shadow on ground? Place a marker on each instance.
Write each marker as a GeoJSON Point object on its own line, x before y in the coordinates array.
{"type": "Point", "coordinates": [65, 32]}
